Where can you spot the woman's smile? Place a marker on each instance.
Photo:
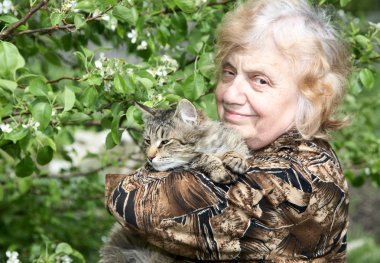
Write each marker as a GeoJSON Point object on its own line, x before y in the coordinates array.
{"type": "Point", "coordinates": [235, 116]}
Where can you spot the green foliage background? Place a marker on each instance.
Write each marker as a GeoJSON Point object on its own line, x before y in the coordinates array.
{"type": "Point", "coordinates": [54, 82]}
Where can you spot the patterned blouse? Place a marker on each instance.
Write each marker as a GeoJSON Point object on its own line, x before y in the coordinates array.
{"type": "Point", "coordinates": [290, 206]}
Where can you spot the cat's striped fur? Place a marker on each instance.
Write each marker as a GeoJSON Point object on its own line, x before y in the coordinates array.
{"type": "Point", "coordinates": [179, 138]}
{"type": "Point", "coordinates": [184, 137]}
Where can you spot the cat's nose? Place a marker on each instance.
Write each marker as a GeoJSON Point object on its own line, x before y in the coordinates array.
{"type": "Point", "coordinates": [150, 158]}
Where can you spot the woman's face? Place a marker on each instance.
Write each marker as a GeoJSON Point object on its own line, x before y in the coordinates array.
{"type": "Point", "coordinates": [257, 94]}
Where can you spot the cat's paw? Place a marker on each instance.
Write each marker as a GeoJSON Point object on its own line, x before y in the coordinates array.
{"type": "Point", "coordinates": [223, 176]}
{"type": "Point", "coordinates": [234, 162]}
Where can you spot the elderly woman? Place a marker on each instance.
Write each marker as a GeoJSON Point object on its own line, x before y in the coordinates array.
{"type": "Point", "coordinates": [282, 71]}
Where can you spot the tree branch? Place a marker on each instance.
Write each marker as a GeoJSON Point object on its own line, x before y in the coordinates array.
{"type": "Point", "coordinates": [10, 29]}
{"type": "Point", "coordinates": [55, 28]}
{"type": "Point", "coordinates": [62, 78]}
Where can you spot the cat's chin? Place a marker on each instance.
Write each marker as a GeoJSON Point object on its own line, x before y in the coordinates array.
{"type": "Point", "coordinates": [161, 167]}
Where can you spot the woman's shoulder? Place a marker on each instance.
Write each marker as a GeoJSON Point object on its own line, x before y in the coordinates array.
{"type": "Point", "coordinates": [313, 159]}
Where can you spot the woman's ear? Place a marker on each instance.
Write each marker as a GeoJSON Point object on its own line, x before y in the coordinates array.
{"type": "Point", "coordinates": [187, 112]}
{"type": "Point", "coordinates": [147, 111]}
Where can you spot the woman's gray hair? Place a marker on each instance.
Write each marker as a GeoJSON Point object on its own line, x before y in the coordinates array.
{"type": "Point", "coordinates": [304, 35]}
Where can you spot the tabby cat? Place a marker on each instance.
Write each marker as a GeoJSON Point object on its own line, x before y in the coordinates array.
{"type": "Point", "coordinates": [179, 138]}
{"type": "Point", "coordinates": [186, 138]}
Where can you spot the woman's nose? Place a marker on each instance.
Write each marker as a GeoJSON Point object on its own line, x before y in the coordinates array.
{"type": "Point", "coordinates": [235, 93]}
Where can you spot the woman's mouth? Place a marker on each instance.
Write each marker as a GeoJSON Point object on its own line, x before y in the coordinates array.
{"type": "Point", "coordinates": [234, 116]}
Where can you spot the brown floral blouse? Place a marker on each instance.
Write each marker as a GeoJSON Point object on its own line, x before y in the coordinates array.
{"type": "Point", "coordinates": [290, 206]}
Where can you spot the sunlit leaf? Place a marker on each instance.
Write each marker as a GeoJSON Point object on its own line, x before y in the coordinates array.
{"type": "Point", "coordinates": [366, 78]}
{"type": "Point", "coordinates": [10, 60]}
{"type": "Point", "coordinates": [38, 87]}
{"type": "Point", "coordinates": [69, 99]}
{"type": "Point", "coordinates": [42, 112]}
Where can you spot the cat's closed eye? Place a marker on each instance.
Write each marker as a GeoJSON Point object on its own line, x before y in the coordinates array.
{"type": "Point", "coordinates": [163, 142]}
{"type": "Point", "coordinates": [146, 141]}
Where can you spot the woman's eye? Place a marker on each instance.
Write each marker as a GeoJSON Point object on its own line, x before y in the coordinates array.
{"type": "Point", "coordinates": [228, 74]}
{"type": "Point", "coordinates": [260, 81]}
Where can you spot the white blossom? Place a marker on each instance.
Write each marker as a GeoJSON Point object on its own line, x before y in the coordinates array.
{"type": "Point", "coordinates": [132, 35]}
{"type": "Point", "coordinates": [12, 257]}
{"type": "Point", "coordinates": [200, 2]}
{"type": "Point", "coordinates": [129, 71]}
{"type": "Point", "coordinates": [7, 7]}
{"type": "Point", "coordinates": [113, 23]}
{"type": "Point", "coordinates": [161, 81]}
{"type": "Point", "coordinates": [143, 45]}
{"type": "Point", "coordinates": [31, 123]}
{"type": "Point", "coordinates": [161, 71]}
{"type": "Point", "coordinates": [64, 259]}
{"type": "Point", "coordinates": [69, 5]}
{"type": "Point", "coordinates": [107, 86]}
{"type": "Point", "coordinates": [98, 64]}
{"type": "Point", "coordinates": [96, 13]}
{"type": "Point", "coordinates": [377, 26]}
{"type": "Point", "coordinates": [5, 127]}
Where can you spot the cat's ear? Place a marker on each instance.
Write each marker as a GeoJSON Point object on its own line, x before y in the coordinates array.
{"type": "Point", "coordinates": [187, 112]}
{"type": "Point", "coordinates": [147, 111]}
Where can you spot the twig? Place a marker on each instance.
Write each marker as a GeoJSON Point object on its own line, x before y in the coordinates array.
{"type": "Point", "coordinates": [55, 28]}
{"type": "Point", "coordinates": [22, 21]}
{"type": "Point", "coordinates": [169, 11]}
{"type": "Point", "coordinates": [62, 78]}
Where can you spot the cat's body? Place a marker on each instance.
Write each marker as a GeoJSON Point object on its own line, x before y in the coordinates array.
{"type": "Point", "coordinates": [186, 138]}
{"type": "Point", "coordinates": [183, 138]}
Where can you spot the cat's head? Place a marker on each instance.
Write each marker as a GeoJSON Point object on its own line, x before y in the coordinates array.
{"type": "Point", "coordinates": [170, 135]}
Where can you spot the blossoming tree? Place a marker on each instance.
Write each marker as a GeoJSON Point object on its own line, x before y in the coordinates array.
{"type": "Point", "coordinates": [58, 76]}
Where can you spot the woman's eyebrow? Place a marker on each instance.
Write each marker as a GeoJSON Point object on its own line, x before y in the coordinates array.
{"type": "Point", "coordinates": [227, 64]}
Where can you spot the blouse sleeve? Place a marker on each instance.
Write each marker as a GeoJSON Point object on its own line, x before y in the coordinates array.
{"type": "Point", "coordinates": [288, 206]}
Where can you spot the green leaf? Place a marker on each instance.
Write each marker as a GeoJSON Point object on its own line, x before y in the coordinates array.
{"type": "Point", "coordinates": [362, 40]}
{"type": "Point", "coordinates": [63, 248]}
{"type": "Point", "coordinates": [109, 141]}
{"type": "Point", "coordinates": [344, 2]}
{"type": "Point", "coordinates": [187, 6]}
{"type": "Point", "coordinates": [367, 78]}
{"type": "Point", "coordinates": [24, 184]}
{"type": "Point", "coordinates": [194, 87]}
{"type": "Point", "coordinates": [10, 60]}
{"type": "Point", "coordinates": [125, 14]}
{"type": "Point", "coordinates": [69, 99]}
{"type": "Point", "coordinates": [45, 140]}
{"type": "Point", "coordinates": [16, 134]}
{"type": "Point", "coordinates": [56, 18]}
{"type": "Point", "coordinates": [8, 84]}
{"type": "Point", "coordinates": [116, 132]}
{"type": "Point", "coordinates": [8, 19]}
{"type": "Point", "coordinates": [89, 97]}
{"type": "Point", "coordinates": [76, 117]}
{"type": "Point", "coordinates": [130, 116]}
{"type": "Point", "coordinates": [38, 87]}
{"type": "Point", "coordinates": [206, 65]}
{"type": "Point", "coordinates": [119, 84]}
{"type": "Point", "coordinates": [111, 2]}
{"type": "Point", "coordinates": [25, 167]}
{"type": "Point", "coordinates": [147, 83]}
{"type": "Point", "coordinates": [41, 112]}
{"type": "Point", "coordinates": [79, 21]}
{"type": "Point", "coordinates": [44, 155]}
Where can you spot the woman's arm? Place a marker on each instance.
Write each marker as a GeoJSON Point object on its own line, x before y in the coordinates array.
{"type": "Point", "coordinates": [287, 206]}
